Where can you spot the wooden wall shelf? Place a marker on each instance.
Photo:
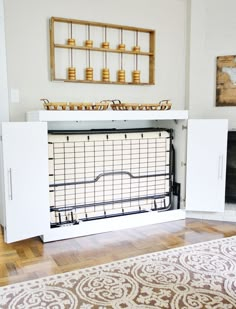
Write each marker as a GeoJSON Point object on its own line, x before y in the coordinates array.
{"type": "Point", "coordinates": [85, 45]}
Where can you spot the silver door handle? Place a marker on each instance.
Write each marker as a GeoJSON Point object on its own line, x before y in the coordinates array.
{"type": "Point", "coordinates": [220, 167]}
{"type": "Point", "coordinates": [221, 170]}
{"type": "Point", "coordinates": [10, 194]}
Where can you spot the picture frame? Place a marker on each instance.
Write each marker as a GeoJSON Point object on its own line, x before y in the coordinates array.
{"type": "Point", "coordinates": [226, 80]}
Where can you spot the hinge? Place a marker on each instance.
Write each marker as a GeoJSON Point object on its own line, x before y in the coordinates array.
{"type": "Point", "coordinates": [184, 127]}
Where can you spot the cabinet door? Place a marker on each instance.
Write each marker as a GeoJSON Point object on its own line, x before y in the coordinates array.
{"type": "Point", "coordinates": [206, 165]}
{"type": "Point", "coordinates": [25, 180]}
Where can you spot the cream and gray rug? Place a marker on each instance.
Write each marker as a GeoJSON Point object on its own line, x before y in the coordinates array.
{"type": "Point", "coordinates": [196, 276]}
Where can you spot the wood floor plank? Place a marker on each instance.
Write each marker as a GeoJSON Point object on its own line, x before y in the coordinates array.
{"type": "Point", "coordinates": [31, 259]}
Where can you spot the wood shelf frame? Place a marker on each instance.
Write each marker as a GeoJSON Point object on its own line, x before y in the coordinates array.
{"type": "Point", "coordinates": [103, 50]}
{"type": "Point", "coordinates": [150, 72]}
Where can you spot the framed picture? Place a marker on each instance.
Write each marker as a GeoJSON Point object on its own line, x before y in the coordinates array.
{"type": "Point", "coordinates": [226, 81]}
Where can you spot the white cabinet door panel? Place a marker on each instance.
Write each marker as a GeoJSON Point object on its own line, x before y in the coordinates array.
{"type": "Point", "coordinates": [206, 164]}
{"type": "Point", "coordinates": [25, 165]}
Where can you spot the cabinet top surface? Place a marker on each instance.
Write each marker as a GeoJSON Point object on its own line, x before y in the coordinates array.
{"type": "Point", "coordinates": [45, 115]}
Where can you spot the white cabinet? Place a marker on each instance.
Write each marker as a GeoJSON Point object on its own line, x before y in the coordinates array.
{"type": "Point", "coordinates": [25, 180]}
{"type": "Point", "coordinates": [206, 165]}
{"type": "Point", "coordinates": [25, 201]}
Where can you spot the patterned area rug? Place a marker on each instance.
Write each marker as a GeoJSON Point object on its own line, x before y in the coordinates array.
{"type": "Point", "coordinates": [196, 276]}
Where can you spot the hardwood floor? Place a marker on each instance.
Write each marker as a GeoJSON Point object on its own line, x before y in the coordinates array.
{"type": "Point", "coordinates": [30, 259]}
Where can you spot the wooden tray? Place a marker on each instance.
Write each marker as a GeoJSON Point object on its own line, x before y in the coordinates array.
{"type": "Point", "coordinates": [74, 106]}
{"type": "Point", "coordinates": [163, 105]}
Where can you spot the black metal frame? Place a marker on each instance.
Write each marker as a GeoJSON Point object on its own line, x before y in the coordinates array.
{"type": "Point", "coordinates": [65, 212]}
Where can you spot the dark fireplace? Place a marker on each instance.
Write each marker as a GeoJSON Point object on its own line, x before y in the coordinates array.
{"type": "Point", "coordinates": [230, 191]}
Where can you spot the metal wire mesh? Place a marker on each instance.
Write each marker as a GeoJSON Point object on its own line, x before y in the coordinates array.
{"type": "Point", "coordinates": [96, 176]}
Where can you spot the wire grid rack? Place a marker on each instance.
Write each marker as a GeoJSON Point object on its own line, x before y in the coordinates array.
{"type": "Point", "coordinates": [94, 176]}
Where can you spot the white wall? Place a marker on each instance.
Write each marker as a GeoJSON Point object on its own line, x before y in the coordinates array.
{"type": "Point", "coordinates": [212, 34]}
{"type": "Point", "coordinates": [4, 109]}
{"type": "Point", "coordinates": [27, 43]}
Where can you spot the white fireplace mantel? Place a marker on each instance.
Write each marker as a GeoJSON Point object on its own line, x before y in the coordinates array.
{"type": "Point", "coordinates": [107, 115]}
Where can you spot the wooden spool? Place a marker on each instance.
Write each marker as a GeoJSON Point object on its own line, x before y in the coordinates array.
{"type": "Point", "coordinates": [87, 106]}
{"type": "Point", "coordinates": [55, 106]}
{"type": "Point", "coordinates": [89, 74]}
{"type": "Point", "coordinates": [75, 106]}
{"type": "Point", "coordinates": [88, 43]}
{"type": "Point", "coordinates": [121, 76]}
{"type": "Point", "coordinates": [71, 42]}
{"type": "Point", "coordinates": [136, 77]}
{"type": "Point", "coordinates": [105, 45]}
{"type": "Point", "coordinates": [168, 105]}
{"type": "Point", "coordinates": [72, 73]}
{"type": "Point", "coordinates": [121, 46]}
{"type": "Point", "coordinates": [106, 75]}
{"type": "Point", "coordinates": [136, 49]}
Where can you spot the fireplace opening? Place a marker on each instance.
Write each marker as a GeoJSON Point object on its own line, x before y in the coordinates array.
{"type": "Point", "coordinates": [230, 190]}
